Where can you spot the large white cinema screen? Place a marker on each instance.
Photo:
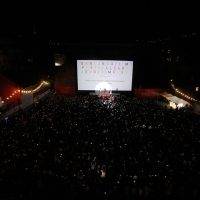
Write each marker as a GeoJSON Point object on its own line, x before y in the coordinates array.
{"type": "Point", "coordinates": [104, 74]}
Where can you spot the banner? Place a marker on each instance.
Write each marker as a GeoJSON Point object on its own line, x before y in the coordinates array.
{"type": "Point", "coordinates": [196, 108]}
{"type": "Point", "coordinates": [65, 90]}
{"type": "Point", "coordinates": [146, 93]}
{"type": "Point", "coordinates": [27, 100]}
{"type": "Point", "coordinates": [10, 112]}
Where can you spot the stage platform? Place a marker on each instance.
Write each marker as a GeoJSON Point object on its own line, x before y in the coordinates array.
{"type": "Point", "coordinates": [103, 94]}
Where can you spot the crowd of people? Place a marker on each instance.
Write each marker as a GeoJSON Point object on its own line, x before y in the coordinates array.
{"type": "Point", "coordinates": [87, 146]}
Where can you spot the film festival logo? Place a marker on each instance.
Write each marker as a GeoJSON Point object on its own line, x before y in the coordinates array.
{"type": "Point", "coordinates": [105, 67]}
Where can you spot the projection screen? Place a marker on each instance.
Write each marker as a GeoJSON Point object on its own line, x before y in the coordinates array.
{"type": "Point", "coordinates": [115, 75]}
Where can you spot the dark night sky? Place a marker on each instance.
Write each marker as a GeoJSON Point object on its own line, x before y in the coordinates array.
{"type": "Point", "coordinates": [101, 21]}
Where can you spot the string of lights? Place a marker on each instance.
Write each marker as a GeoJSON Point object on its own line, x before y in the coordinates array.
{"type": "Point", "coordinates": [24, 91]}
{"type": "Point", "coordinates": [181, 93]}
{"type": "Point", "coordinates": [16, 92]}
{"type": "Point", "coordinates": [151, 41]}
{"type": "Point", "coordinates": [167, 39]}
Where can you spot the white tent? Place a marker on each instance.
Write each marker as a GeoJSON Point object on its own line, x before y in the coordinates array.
{"type": "Point", "coordinates": [178, 101]}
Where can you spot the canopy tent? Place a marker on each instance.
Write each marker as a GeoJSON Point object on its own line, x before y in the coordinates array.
{"type": "Point", "coordinates": [174, 100]}
{"type": "Point", "coordinates": [178, 101]}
